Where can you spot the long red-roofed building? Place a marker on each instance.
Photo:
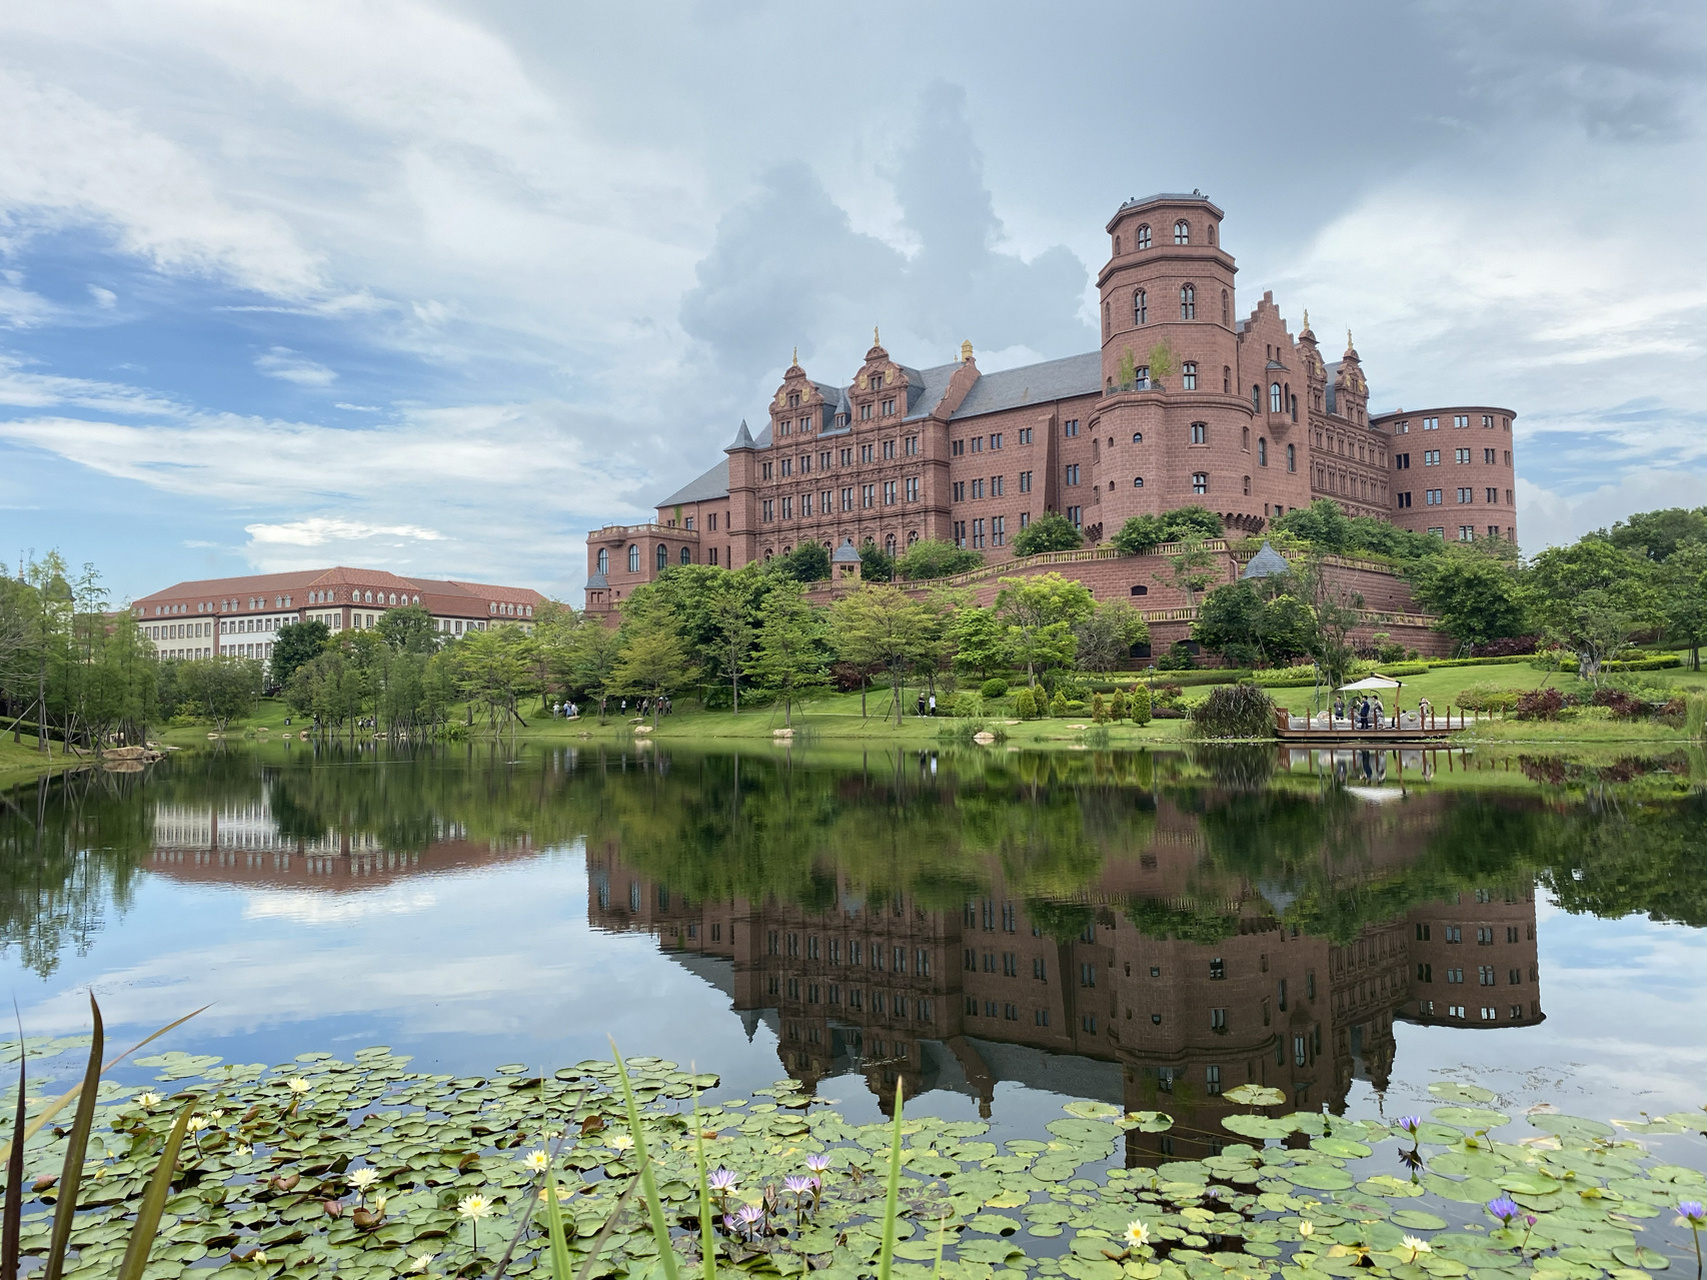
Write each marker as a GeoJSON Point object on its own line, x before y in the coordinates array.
{"type": "Point", "coordinates": [242, 616]}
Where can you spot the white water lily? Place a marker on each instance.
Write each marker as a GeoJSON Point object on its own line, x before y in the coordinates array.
{"type": "Point", "coordinates": [420, 1262]}
{"type": "Point", "coordinates": [362, 1179]}
{"type": "Point", "coordinates": [474, 1207]}
{"type": "Point", "coordinates": [622, 1142]}
{"type": "Point", "coordinates": [297, 1084]}
{"type": "Point", "coordinates": [1306, 1228]}
{"type": "Point", "coordinates": [148, 1099]}
{"type": "Point", "coordinates": [242, 1151]}
{"type": "Point", "coordinates": [1416, 1246]}
{"type": "Point", "coordinates": [1137, 1235]}
{"type": "Point", "coordinates": [196, 1124]}
{"type": "Point", "coordinates": [536, 1160]}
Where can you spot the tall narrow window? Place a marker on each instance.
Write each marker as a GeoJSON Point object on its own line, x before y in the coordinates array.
{"type": "Point", "coordinates": [1274, 402]}
{"type": "Point", "coordinates": [1188, 375]}
{"type": "Point", "coordinates": [1140, 307]}
{"type": "Point", "coordinates": [1292, 457]}
{"type": "Point", "coordinates": [1182, 232]}
{"type": "Point", "coordinates": [1200, 482]}
{"type": "Point", "coordinates": [1187, 302]}
{"type": "Point", "coordinates": [604, 560]}
{"type": "Point", "coordinates": [1226, 307]}
{"type": "Point", "coordinates": [1200, 433]}
{"type": "Point", "coordinates": [633, 559]}
{"type": "Point", "coordinates": [1144, 237]}
{"type": "Point", "coordinates": [1262, 451]}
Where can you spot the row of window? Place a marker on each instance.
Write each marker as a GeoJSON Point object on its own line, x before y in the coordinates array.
{"type": "Point", "coordinates": [895, 960]}
{"type": "Point", "coordinates": [1486, 975]}
{"type": "Point", "coordinates": [1466, 494]}
{"type": "Point", "coordinates": [1459, 421]}
{"type": "Point", "coordinates": [995, 487]}
{"type": "Point", "coordinates": [1485, 933]}
{"type": "Point", "coordinates": [1488, 1012]}
{"type": "Point", "coordinates": [998, 536]}
{"type": "Point", "coordinates": [1460, 457]}
{"type": "Point", "coordinates": [892, 1004]}
{"type": "Point", "coordinates": [1141, 239]}
{"type": "Point", "coordinates": [908, 447]}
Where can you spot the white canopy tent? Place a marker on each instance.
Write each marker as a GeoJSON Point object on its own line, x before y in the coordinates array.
{"type": "Point", "coordinates": [1370, 683]}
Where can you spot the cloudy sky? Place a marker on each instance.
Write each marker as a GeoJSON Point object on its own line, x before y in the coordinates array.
{"type": "Point", "coordinates": [437, 287]}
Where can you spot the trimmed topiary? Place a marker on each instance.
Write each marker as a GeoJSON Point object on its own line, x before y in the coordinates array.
{"type": "Point", "coordinates": [1058, 707]}
{"type": "Point", "coordinates": [1139, 705]}
{"type": "Point", "coordinates": [1024, 707]}
{"type": "Point", "coordinates": [995, 687]}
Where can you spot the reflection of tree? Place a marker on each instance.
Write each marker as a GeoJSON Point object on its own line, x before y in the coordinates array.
{"type": "Point", "coordinates": [69, 852]}
{"type": "Point", "coordinates": [1640, 859]}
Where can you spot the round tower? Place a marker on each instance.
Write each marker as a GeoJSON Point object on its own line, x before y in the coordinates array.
{"type": "Point", "coordinates": [1172, 420]}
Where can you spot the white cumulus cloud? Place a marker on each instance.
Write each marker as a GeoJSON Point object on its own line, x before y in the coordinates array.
{"type": "Point", "coordinates": [316, 531]}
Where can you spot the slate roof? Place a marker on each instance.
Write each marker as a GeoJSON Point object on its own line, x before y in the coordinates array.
{"type": "Point", "coordinates": [1031, 384]}
{"type": "Point", "coordinates": [1267, 563]}
{"type": "Point", "coordinates": [1333, 377]}
{"type": "Point", "coordinates": [597, 581]}
{"type": "Point", "coordinates": [713, 483]}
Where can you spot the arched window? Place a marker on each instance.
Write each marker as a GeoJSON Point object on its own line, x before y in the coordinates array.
{"type": "Point", "coordinates": [912, 536]}
{"type": "Point", "coordinates": [1256, 398]}
{"type": "Point", "coordinates": [1247, 486]}
{"type": "Point", "coordinates": [1245, 439]}
{"type": "Point", "coordinates": [1292, 457]}
{"type": "Point", "coordinates": [1262, 451]}
{"type": "Point", "coordinates": [1117, 246]}
{"type": "Point", "coordinates": [1137, 437]}
{"type": "Point", "coordinates": [1144, 236]}
{"type": "Point", "coordinates": [687, 556]}
{"type": "Point", "coordinates": [1226, 380]}
{"type": "Point", "coordinates": [663, 556]}
{"type": "Point", "coordinates": [1187, 302]}
{"type": "Point", "coordinates": [1140, 307]}
{"type": "Point", "coordinates": [604, 560]}
{"type": "Point", "coordinates": [889, 544]}
{"type": "Point", "coordinates": [1107, 322]}
{"type": "Point", "coordinates": [1274, 397]}
{"type": "Point", "coordinates": [1211, 232]}
{"type": "Point", "coordinates": [1182, 232]}
{"type": "Point", "coordinates": [633, 558]}
{"type": "Point", "coordinates": [1137, 482]}
{"type": "Point", "coordinates": [1111, 486]}
{"type": "Point", "coordinates": [1226, 307]}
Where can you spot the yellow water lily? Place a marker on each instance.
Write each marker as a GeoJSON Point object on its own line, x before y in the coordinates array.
{"type": "Point", "coordinates": [297, 1084]}
{"type": "Point", "coordinates": [1306, 1228]}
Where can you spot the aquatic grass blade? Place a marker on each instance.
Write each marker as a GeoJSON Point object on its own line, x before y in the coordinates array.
{"type": "Point", "coordinates": [77, 1145]}
{"type": "Point", "coordinates": [70, 1095]}
{"type": "Point", "coordinates": [559, 1251]}
{"type": "Point", "coordinates": [604, 1231]}
{"type": "Point", "coordinates": [891, 1197]}
{"type": "Point", "coordinates": [648, 1184]}
{"type": "Point", "coordinates": [154, 1201]}
{"type": "Point", "coordinates": [12, 1236]}
{"type": "Point", "coordinates": [707, 1235]}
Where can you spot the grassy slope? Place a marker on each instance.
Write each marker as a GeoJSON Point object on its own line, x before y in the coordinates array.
{"type": "Point", "coordinates": [20, 762]}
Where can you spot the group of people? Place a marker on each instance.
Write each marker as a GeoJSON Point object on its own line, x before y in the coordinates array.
{"type": "Point", "coordinates": [1365, 712]}
{"type": "Point", "coordinates": [927, 704]}
{"type": "Point", "coordinates": [643, 706]}
{"type": "Point", "coordinates": [567, 709]}
{"type": "Point", "coordinates": [1368, 712]}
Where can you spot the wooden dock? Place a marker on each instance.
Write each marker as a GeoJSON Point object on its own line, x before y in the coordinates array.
{"type": "Point", "coordinates": [1398, 730]}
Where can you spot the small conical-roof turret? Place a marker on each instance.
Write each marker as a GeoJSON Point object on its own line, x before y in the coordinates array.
{"type": "Point", "coordinates": [743, 439]}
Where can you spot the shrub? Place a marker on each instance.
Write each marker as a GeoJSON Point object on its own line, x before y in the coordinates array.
{"type": "Point", "coordinates": [1139, 707]}
{"type": "Point", "coordinates": [1645, 664]}
{"type": "Point", "coordinates": [994, 688]}
{"type": "Point", "coordinates": [1242, 711]}
{"type": "Point", "coordinates": [1058, 707]}
{"type": "Point", "coordinates": [1488, 697]}
{"type": "Point", "coordinates": [1099, 709]}
{"type": "Point", "coordinates": [1540, 704]}
{"type": "Point", "coordinates": [1117, 705]}
{"type": "Point", "coordinates": [1508, 646]}
{"type": "Point", "coordinates": [1178, 658]}
{"type": "Point", "coordinates": [1024, 707]}
{"type": "Point", "coordinates": [968, 705]}
{"type": "Point", "coordinates": [1075, 705]}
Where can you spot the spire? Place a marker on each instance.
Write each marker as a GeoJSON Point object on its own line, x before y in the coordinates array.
{"type": "Point", "coordinates": [966, 351]}
{"type": "Point", "coordinates": [743, 439]}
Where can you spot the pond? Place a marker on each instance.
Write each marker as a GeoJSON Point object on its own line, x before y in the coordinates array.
{"type": "Point", "coordinates": [999, 931]}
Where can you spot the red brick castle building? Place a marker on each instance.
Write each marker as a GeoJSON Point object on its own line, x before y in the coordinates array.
{"type": "Point", "coordinates": [1176, 407]}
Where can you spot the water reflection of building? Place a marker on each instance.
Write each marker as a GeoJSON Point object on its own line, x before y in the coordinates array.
{"type": "Point", "coordinates": [242, 842]}
{"type": "Point", "coordinates": [963, 997]}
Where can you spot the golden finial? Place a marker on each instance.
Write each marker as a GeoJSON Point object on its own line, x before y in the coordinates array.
{"type": "Point", "coordinates": [966, 351]}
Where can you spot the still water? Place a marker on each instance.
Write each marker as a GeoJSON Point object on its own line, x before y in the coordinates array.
{"type": "Point", "coordinates": [997, 930]}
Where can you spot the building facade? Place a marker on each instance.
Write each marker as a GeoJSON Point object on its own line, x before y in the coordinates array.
{"type": "Point", "coordinates": [241, 617]}
{"type": "Point", "coordinates": [1175, 408]}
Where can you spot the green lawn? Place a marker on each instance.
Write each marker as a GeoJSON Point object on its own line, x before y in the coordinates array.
{"type": "Point", "coordinates": [21, 762]}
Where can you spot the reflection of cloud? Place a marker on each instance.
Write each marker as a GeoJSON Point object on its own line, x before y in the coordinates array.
{"type": "Point", "coordinates": [320, 908]}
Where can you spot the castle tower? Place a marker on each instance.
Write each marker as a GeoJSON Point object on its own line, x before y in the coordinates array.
{"type": "Point", "coordinates": [1170, 438]}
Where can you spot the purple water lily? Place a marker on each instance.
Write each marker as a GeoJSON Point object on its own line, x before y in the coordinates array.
{"type": "Point", "coordinates": [1505, 1209]}
{"type": "Point", "coordinates": [1410, 1124]}
{"type": "Point", "coordinates": [750, 1217]}
{"type": "Point", "coordinates": [818, 1163]}
{"type": "Point", "coordinates": [722, 1180]}
{"type": "Point", "coordinates": [1692, 1215]}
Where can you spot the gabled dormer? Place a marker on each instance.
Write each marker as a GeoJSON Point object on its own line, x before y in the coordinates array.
{"type": "Point", "coordinates": [801, 407]}
{"type": "Point", "coordinates": [883, 391]}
